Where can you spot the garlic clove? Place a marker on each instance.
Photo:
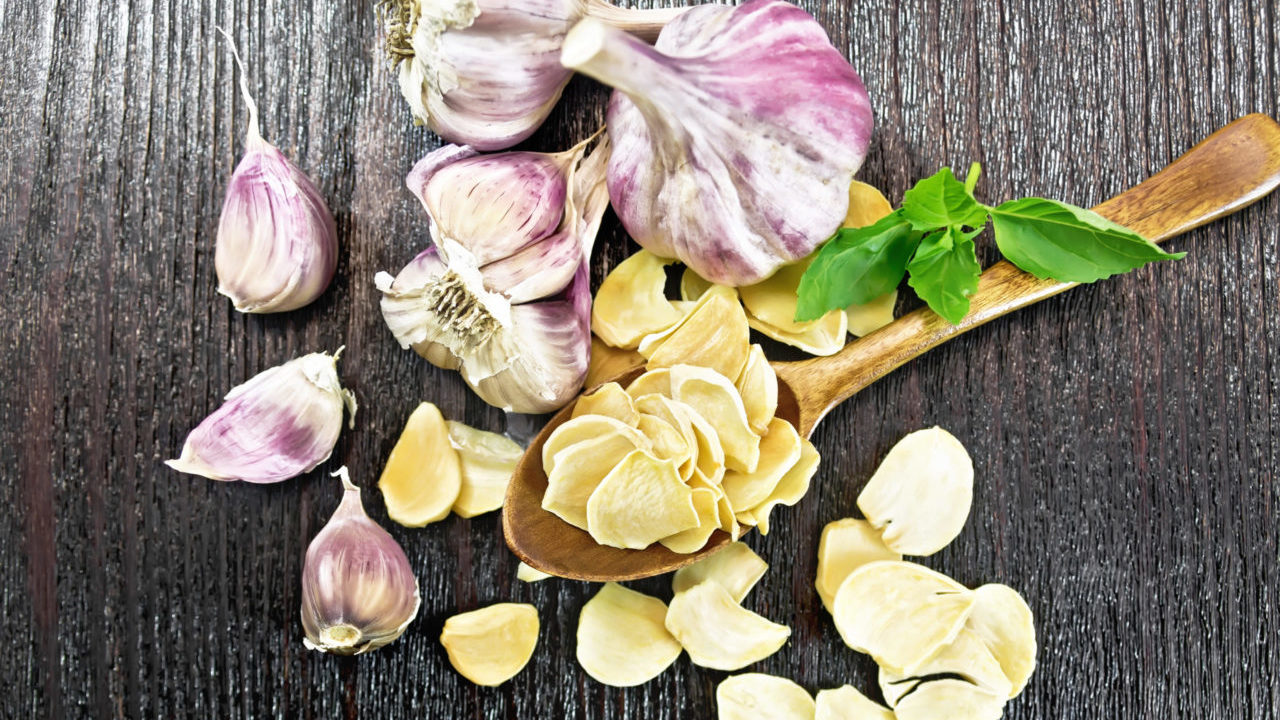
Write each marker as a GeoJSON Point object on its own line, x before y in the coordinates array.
{"type": "Point", "coordinates": [423, 475]}
{"type": "Point", "coordinates": [358, 590]}
{"type": "Point", "coordinates": [735, 137]}
{"type": "Point", "coordinates": [277, 243]}
{"type": "Point", "coordinates": [279, 424]}
{"type": "Point", "coordinates": [491, 645]}
{"type": "Point", "coordinates": [487, 461]}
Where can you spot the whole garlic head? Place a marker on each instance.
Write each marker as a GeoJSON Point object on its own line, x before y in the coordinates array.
{"type": "Point", "coordinates": [735, 137]}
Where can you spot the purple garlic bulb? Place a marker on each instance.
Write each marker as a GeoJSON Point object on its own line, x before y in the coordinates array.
{"type": "Point", "coordinates": [277, 245]}
{"type": "Point", "coordinates": [279, 424]}
{"type": "Point", "coordinates": [358, 590]}
{"type": "Point", "coordinates": [734, 138]}
{"type": "Point", "coordinates": [503, 295]}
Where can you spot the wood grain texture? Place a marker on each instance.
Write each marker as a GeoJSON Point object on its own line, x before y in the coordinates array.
{"type": "Point", "coordinates": [1124, 434]}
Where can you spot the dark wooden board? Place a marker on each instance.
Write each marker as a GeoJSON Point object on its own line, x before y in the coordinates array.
{"type": "Point", "coordinates": [1125, 434]}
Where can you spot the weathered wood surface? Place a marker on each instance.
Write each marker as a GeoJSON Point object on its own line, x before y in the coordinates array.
{"type": "Point", "coordinates": [1125, 434]}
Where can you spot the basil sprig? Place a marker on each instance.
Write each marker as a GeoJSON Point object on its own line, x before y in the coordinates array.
{"type": "Point", "coordinates": [931, 238]}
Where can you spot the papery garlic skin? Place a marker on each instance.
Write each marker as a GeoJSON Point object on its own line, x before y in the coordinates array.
{"type": "Point", "coordinates": [358, 590]}
{"type": "Point", "coordinates": [735, 137]}
{"type": "Point", "coordinates": [277, 243]}
{"type": "Point", "coordinates": [503, 296]}
{"type": "Point", "coordinates": [279, 424]}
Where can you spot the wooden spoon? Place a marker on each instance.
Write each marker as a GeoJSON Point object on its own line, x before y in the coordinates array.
{"type": "Point", "coordinates": [1229, 170]}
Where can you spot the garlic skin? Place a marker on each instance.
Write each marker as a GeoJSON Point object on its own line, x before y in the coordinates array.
{"type": "Point", "coordinates": [358, 590]}
{"type": "Point", "coordinates": [486, 73]}
{"type": "Point", "coordinates": [503, 295]}
{"type": "Point", "coordinates": [735, 137]}
{"type": "Point", "coordinates": [279, 424]}
{"type": "Point", "coordinates": [277, 244]}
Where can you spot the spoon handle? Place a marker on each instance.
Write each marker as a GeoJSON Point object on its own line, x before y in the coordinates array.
{"type": "Point", "coordinates": [1229, 170]}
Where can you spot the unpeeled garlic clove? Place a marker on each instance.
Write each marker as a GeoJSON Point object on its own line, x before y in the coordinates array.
{"type": "Point", "coordinates": [277, 244]}
{"type": "Point", "coordinates": [279, 424]}
{"type": "Point", "coordinates": [358, 590]}
{"type": "Point", "coordinates": [735, 137]}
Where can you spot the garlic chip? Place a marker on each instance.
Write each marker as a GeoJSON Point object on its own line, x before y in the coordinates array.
{"type": "Point", "coordinates": [609, 400]}
{"type": "Point", "coordinates": [790, 489]}
{"type": "Point", "coordinates": [867, 205]}
{"type": "Point", "coordinates": [951, 699]}
{"type": "Point", "coordinates": [779, 452]}
{"type": "Point", "coordinates": [900, 613]}
{"type": "Point", "coordinates": [666, 441]}
{"type": "Point", "coordinates": [846, 545]}
{"type": "Point", "coordinates": [713, 335]}
{"type": "Point", "coordinates": [607, 362]}
{"type": "Point", "coordinates": [653, 382]}
{"type": "Point", "coordinates": [622, 639]}
{"type": "Point", "coordinates": [756, 696]}
{"type": "Point", "coordinates": [715, 398]}
{"type": "Point", "coordinates": [966, 656]}
{"type": "Point", "coordinates": [586, 427]}
{"type": "Point", "coordinates": [660, 407]}
{"type": "Point", "coordinates": [846, 703]}
{"type": "Point", "coordinates": [771, 309]}
{"type": "Point", "coordinates": [577, 473]}
{"type": "Point", "coordinates": [920, 495]}
{"type": "Point", "coordinates": [490, 645]}
{"type": "Point", "coordinates": [719, 633]}
{"type": "Point", "coordinates": [423, 475]}
{"type": "Point", "coordinates": [639, 502]}
{"type": "Point", "coordinates": [487, 461]}
{"type": "Point", "coordinates": [630, 303]}
{"type": "Point", "coordinates": [710, 458]}
{"type": "Point", "coordinates": [706, 504]}
{"type": "Point", "coordinates": [693, 286]}
{"type": "Point", "coordinates": [1004, 622]}
{"type": "Point", "coordinates": [736, 568]}
{"type": "Point", "coordinates": [528, 574]}
{"type": "Point", "coordinates": [866, 319]}
{"type": "Point", "coordinates": [758, 386]}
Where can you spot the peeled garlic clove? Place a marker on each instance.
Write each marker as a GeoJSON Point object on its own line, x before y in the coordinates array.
{"type": "Point", "coordinates": [1004, 622]}
{"type": "Point", "coordinates": [622, 641]}
{"type": "Point", "coordinates": [491, 645]}
{"type": "Point", "coordinates": [423, 475]}
{"type": "Point", "coordinates": [719, 633]}
{"type": "Point", "coordinates": [736, 568]}
{"type": "Point", "coordinates": [736, 136]}
{"type": "Point", "coordinates": [954, 699]}
{"type": "Point", "coordinates": [965, 656]}
{"type": "Point", "coordinates": [277, 245]}
{"type": "Point", "coordinates": [752, 696]}
{"type": "Point", "coordinates": [845, 546]}
{"type": "Point", "coordinates": [279, 424]}
{"type": "Point", "coordinates": [846, 703]}
{"type": "Point", "coordinates": [358, 591]}
{"type": "Point", "coordinates": [486, 460]}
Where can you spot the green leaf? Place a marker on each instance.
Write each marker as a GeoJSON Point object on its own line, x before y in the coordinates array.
{"type": "Point", "coordinates": [944, 272]}
{"type": "Point", "coordinates": [941, 201]}
{"type": "Point", "coordinates": [856, 266]}
{"type": "Point", "coordinates": [1052, 239]}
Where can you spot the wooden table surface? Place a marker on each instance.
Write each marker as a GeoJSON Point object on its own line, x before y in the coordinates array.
{"type": "Point", "coordinates": [1124, 434]}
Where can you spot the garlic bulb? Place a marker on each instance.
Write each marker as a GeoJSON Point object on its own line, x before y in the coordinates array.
{"type": "Point", "coordinates": [504, 294]}
{"type": "Point", "coordinates": [279, 424]}
{"type": "Point", "coordinates": [358, 591]}
{"type": "Point", "coordinates": [487, 72]}
{"type": "Point", "coordinates": [277, 245]}
{"type": "Point", "coordinates": [735, 137]}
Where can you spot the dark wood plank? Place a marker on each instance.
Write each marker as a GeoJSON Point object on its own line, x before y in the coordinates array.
{"type": "Point", "coordinates": [1124, 434]}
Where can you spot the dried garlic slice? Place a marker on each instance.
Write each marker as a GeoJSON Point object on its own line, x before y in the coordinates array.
{"type": "Point", "coordinates": [900, 613]}
{"type": "Point", "coordinates": [607, 363]}
{"type": "Point", "coordinates": [487, 460]}
{"type": "Point", "coordinates": [631, 304]}
{"type": "Point", "coordinates": [622, 637]}
{"type": "Point", "coordinates": [693, 286]}
{"type": "Point", "coordinates": [490, 645]}
{"type": "Point", "coordinates": [920, 495]}
{"type": "Point", "coordinates": [966, 656]}
{"type": "Point", "coordinates": [790, 489]}
{"type": "Point", "coordinates": [756, 696]}
{"type": "Point", "coordinates": [713, 335]}
{"type": "Point", "coordinates": [715, 398]}
{"type": "Point", "coordinates": [1004, 622]}
{"type": "Point", "coordinates": [706, 504]}
{"type": "Point", "coordinates": [846, 703]}
{"type": "Point", "coordinates": [528, 574]}
{"type": "Point", "coordinates": [579, 469]}
{"type": "Point", "coordinates": [423, 475]}
{"type": "Point", "coordinates": [719, 633]}
{"type": "Point", "coordinates": [866, 319]}
{"type": "Point", "coordinates": [866, 205]}
{"type": "Point", "coordinates": [758, 386]}
{"type": "Point", "coordinates": [609, 400]}
{"type": "Point", "coordinates": [582, 429]}
{"type": "Point", "coordinates": [846, 545]}
{"type": "Point", "coordinates": [660, 406]}
{"type": "Point", "coordinates": [639, 502]}
{"type": "Point", "coordinates": [653, 382]}
{"type": "Point", "coordinates": [780, 450]}
{"type": "Point", "coordinates": [710, 452]}
{"type": "Point", "coordinates": [826, 337]}
{"type": "Point", "coordinates": [736, 568]}
{"type": "Point", "coordinates": [951, 699]}
{"type": "Point", "coordinates": [666, 441]}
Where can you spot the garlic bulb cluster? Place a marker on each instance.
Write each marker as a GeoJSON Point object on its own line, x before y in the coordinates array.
{"type": "Point", "coordinates": [277, 245]}
{"type": "Point", "coordinates": [734, 138]}
{"type": "Point", "coordinates": [279, 424]}
{"type": "Point", "coordinates": [503, 295]}
{"type": "Point", "coordinates": [358, 590]}
{"type": "Point", "coordinates": [487, 72]}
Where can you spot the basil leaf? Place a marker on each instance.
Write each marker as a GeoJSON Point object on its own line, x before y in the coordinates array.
{"type": "Point", "coordinates": [856, 266]}
{"type": "Point", "coordinates": [1052, 239]}
{"type": "Point", "coordinates": [941, 201]}
{"type": "Point", "coordinates": [945, 270]}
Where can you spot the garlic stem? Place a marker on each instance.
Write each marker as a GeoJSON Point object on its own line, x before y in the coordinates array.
{"type": "Point", "coordinates": [644, 23]}
{"type": "Point", "coordinates": [255, 134]}
{"type": "Point", "coordinates": [615, 58]}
